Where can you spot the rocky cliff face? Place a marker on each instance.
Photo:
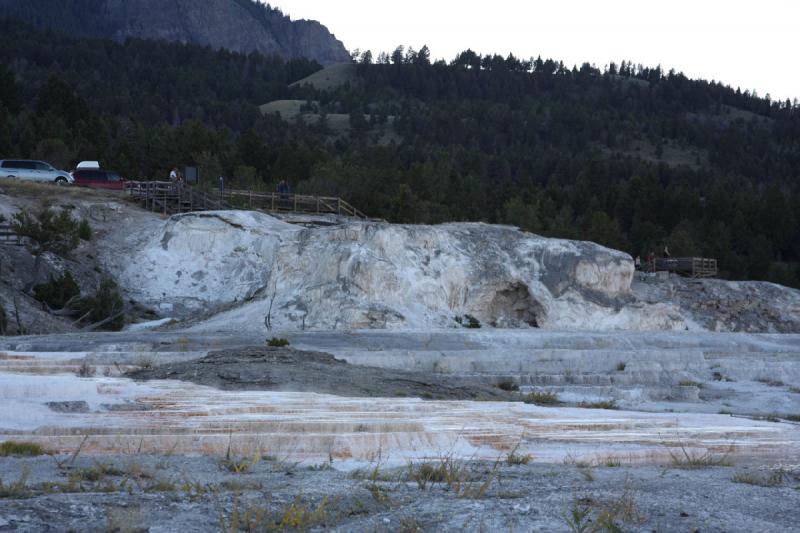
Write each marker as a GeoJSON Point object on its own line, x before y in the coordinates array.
{"type": "Point", "coordinates": [237, 25]}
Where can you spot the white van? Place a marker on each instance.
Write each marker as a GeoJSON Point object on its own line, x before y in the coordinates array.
{"type": "Point", "coordinates": [26, 169]}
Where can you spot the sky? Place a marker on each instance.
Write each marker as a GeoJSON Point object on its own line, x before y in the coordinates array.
{"type": "Point", "coordinates": [753, 45]}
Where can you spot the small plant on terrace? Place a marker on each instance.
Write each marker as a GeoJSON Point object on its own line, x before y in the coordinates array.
{"type": "Point", "coordinates": [17, 489]}
{"type": "Point", "coordinates": [513, 458]}
{"type": "Point", "coordinates": [468, 321]}
{"type": "Point", "coordinates": [545, 398]}
{"type": "Point", "coordinates": [85, 370]}
{"type": "Point", "coordinates": [241, 465]}
{"type": "Point", "coordinates": [605, 404]}
{"type": "Point", "coordinates": [276, 342]}
{"type": "Point", "coordinates": [508, 386]}
{"type": "Point", "coordinates": [84, 230]}
{"type": "Point", "coordinates": [25, 449]}
{"type": "Point", "coordinates": [696, 459]}
{"type": "Point", "coordinates": [772, 479]}
{"type": "Point", "coordinates": [144, 363]}
{"type": "Point", "coordinates": [3, 320]}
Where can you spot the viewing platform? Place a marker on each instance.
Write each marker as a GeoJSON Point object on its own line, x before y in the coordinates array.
{"type": "Point", "coordinates": [170, 198]}
{"type": "Point", "coordinates": [693, 267]}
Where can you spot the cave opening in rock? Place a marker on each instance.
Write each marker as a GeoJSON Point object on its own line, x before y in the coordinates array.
{"type": "Point", "coordinates": [513, 306]}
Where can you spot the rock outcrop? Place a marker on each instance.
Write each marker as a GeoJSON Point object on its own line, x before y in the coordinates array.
{"type": "Point", "coordinates": [237, 25]}
{"type": "Point", "coordinates": [378, 275]}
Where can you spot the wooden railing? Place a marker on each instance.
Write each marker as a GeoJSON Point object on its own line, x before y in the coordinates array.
{"type": "Point", "coordinates": [169, 197]}
{"type": "Point", "coordinates": [290, 203]}
{"type": "Point", "coordinates": [695, 267]}
{"type": "Point", "coordinates": [8, 235]}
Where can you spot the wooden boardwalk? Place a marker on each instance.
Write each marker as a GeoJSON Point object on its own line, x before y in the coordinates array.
{"type": "Point", "coordinates": [274, 202]}
{"type": "Point", "coordinates": [171, 198]}
{"type": "Point", "coordinates": [693, 267]}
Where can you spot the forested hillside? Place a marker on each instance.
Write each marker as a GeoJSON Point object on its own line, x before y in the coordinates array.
{"type": "Point", "coordinates": [627, 156]}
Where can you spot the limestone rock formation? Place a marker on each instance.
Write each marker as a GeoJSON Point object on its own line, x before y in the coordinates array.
{"type": "Point", "coordinates": [378, 275]}
{"type": "Point", "coordinates": [237, 25]}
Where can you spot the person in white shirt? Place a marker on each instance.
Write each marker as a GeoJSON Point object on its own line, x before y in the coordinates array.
{"type": "Point", "coordinates": [173, 175]}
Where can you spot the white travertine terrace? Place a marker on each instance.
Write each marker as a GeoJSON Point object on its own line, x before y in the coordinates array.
{"type": "Point", "coordinates": [170, 416]}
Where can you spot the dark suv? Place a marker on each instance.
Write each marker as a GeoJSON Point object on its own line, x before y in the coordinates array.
{"type": "Point", "coordinates": [98, 178]}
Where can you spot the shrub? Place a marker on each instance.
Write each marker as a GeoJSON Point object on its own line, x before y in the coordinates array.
{"type": "Point", "coordinates": [106, 305]}
{"type": "Point", "coordinates": [508, 386]}
{"type": "Point", "coordinates": [3, 320]}
{"type": "Point", "coordinates": [58, 291]}
{"type": "Point", "coordinates": [85, 230]}
{"type": "Point", "coordinates": [606, 404]}
{"type": "Point", "coordinates": [275, 342]}
{"type": "Point", "coordinates": [48, 230]}
{"type": "Point", "coordinates": [772, 479]}
{"type": "Point", "coordinates": [29, 449]}
{"type": "Point", "coordinates": [513, 458]}
{"type": "Point", "coordinates": [85, 370]}
{"type": "Point", "coordinates": [541, 398]}
{"type": "Point", "coordinates": [468, 321]}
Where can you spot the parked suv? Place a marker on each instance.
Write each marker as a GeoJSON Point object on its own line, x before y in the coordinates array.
{"type": "Point", "coordinates": [89, 174]}
{"type": "Point", "coordinates": [26, 169]}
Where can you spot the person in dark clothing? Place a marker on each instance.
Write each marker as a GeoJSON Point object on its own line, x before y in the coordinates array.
{"type": "Point", "coordinates": [284, 191]}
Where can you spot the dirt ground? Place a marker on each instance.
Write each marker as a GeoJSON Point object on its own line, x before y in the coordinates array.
{"type": "Point", "coordinates": [264, 493]}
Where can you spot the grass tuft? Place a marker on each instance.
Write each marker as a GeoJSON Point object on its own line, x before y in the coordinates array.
{"type": "Point", "coordinates": [513, 458]}
{"type": "Point", "coordinates": [541, 398]}
{"type": "Point", "coordinates": [605, 404]}
{"type": "Point", "coordinates": [17, 489]}
{"type": "Point", "coordinates": [691, 459]}
{"type": "Point", "coordinates": [276, 342]}
{"type": "Point", "coordinates": [773, 479]}
{"type": "Point", "coordinates": [589, 516]}
{"type": "Point", "coordinates": [24, 449]}
{"type": "Point", "coordinates": [456, 475]}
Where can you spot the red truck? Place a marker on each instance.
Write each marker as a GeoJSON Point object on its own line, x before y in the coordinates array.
{"type": "Point", "coordinates": [89, 174]}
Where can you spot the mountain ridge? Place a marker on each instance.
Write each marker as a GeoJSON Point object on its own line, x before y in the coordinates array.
{"type": "Point", "coordinates": [235, 25]}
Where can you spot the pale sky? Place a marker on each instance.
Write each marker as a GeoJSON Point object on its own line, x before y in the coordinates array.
{"type": "Point", "coordinates": [752, 44]}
